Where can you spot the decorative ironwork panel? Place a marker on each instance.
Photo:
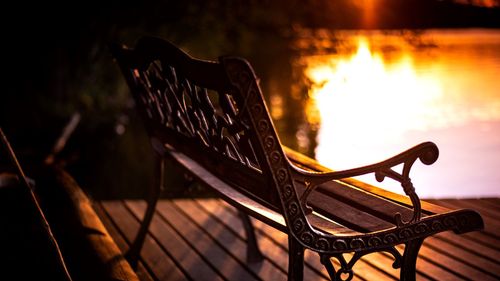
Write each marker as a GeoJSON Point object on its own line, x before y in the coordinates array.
{"type": "Point", "coordinates": [211, 118]}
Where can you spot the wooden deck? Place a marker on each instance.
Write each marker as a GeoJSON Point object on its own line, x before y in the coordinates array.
{"type": "Point", "coordinates": [204, 239]}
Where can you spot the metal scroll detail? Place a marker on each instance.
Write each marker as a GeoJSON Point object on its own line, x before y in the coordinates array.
{"type": "Point", "coordinates": [427, 155]}
{"type": "Point", "coordinates": [426, 152]}
{"type": "Point", "coordinates": [174, 102]}
{"type": "Point", "coordinates": [345, 272]}
{"type": "Point", "coordinates": [243, 78]}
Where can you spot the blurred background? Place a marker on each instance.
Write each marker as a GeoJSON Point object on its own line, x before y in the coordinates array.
{"type": "Point", "coordinates": [348, 82]}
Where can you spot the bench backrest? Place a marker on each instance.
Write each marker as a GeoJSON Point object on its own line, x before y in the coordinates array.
{"type": "Point", "coordinates": [213, 112]}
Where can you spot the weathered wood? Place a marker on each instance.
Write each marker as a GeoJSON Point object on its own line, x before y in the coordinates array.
{"type": "Point", "coordinates": [376, 209]}
{"type": "Point", "coordinates": [191, 262]}
{"type": "Point", "coordinates": [269, 246]}
{"type": "Point", "coordinates": [438, 258]}
{"type": "Point", "coordinates": [451, 264]}
{"type": "Point", "coordinates": [465, 256]}
{"type": "Point", "coordinates": [484, 210]}
{"type": "Point", "coordinates": [106, 251]}
{"type": "Point", "coordinates": [312, 260]}
{"type": "Point", "coordinates": [486, 202]}
{"type": "Point", "coordinates": [347, 215]}
{"type": "Point", "coordinates": [484, 239]}
{"type": "Point", "coordinates": [495, 202]}
{"type": "Point", "coordinates": [156, 259]}
{"type": "Point", "coordinates": [120, 241]}
{"type": "Point", "coordinates": [218, 257]}
{"type": "Point", "coordinates": [226, 238]}
{"type": "Point", "coordinates": [471, 246]}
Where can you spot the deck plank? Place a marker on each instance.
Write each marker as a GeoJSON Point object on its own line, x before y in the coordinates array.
{"type": "Point", "coordinates": [486, 202]}
{"type": "Point", "coordinates": [268, 247]}
{"type": "Point", "coordinates": [233, 243]}
{"type": "Point", "coordinates": [479, 239]}
{"type": "Point", "coordinates": [192, 264]}
{"type": "Point", "coordinates": [312, 260]}
{"type": "Point", "coordinates": [363, 268]}
{"type": "Point", "coordinates": [229, 267]}
{"type": "Point", "coordinates": [481, 206]}
{"type": "Point", "coordinates": [456, 269]}
{"type": "Point", "coordinates": [470, 245]}
{"type": "Point", "coordinates": [156, 259]}
{"type": "Point", "coordinates": [493, 201]}
{"type": "Point", "coordinates": [189, 234]}
{"type": "Point", "coordinates": [484, 239]}
{"type": "Point", "coordinates": [120, 241]}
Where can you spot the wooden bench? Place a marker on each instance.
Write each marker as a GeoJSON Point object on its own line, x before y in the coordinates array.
{"type": "Point", "coordinates": [211, 119]}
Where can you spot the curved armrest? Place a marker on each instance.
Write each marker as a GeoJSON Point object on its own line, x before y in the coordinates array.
{"type": "Point", "coordinates": [427, 152]}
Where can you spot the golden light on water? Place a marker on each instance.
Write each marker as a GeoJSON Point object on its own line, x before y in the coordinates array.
{"type": "Point", "coordinates": [360, 97]}
{"type": "Point", "coordinates": [370, 105]}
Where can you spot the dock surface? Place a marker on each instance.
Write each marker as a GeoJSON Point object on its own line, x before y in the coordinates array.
{"type": "Point", "coordinates": [203, 239]}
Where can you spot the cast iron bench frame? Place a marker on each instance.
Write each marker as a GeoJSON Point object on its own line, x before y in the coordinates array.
{"type": "Point", "coordinates": [233, 148]}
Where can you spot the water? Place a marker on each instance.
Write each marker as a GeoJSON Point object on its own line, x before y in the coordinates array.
{"type": "Point", "coordinates": [383, 92]}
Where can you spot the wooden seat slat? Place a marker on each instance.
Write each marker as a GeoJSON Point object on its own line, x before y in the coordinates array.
{"type": "Point", "coordinates": [344, 213]}
{"type": "Point", "coordinates": [379, 208]}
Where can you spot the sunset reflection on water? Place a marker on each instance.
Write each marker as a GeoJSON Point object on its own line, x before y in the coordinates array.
{"type": "Point", "coordinates": [388, 93]}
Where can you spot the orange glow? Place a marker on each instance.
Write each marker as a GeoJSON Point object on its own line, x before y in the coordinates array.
{"type": "Point", "coordinates": [368, 9]}
{"type": "Point", "coordinates": [369, 13]}
{"type": "Point", "coordinates": [371, 104]}
{"type": "Point", "coordinates": [481, 3]}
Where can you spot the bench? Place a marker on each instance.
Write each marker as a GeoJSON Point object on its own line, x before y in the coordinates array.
{"type": "Point", "coordinates": [211, 119]}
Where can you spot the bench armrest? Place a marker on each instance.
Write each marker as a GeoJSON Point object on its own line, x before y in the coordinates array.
{"type": "Point", "coordinates": [427, 153]}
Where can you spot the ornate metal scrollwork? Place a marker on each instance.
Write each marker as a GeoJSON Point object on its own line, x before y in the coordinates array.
{"type": "Point", "coordinates": [426, 152]}
{"type": "Point", "coordinates": [178, 104]}
{"type": "Point", "coordinates": [346, 272]}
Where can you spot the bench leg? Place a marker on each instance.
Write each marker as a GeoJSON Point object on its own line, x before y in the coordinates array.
{"type": "Point", "coordinates": [295, 259]}
{"type": "Point", "coordinates": [409, 261]}
{"type": "Point", "coordinates": [253, 252]}
{"type": "Point", "coordinates": [134, 251]}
